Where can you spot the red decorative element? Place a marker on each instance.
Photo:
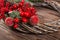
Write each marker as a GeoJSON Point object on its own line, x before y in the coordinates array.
{"type": "Point", "coordinates": [27, 14]}
{"type": "Point", "coordinates": [2, 15]}
{"type": "Point", "coordinates": [19, 9]}
{"type": "Point", "coordinates": [22, 0]}
{"type": "Point", "coordinates": [3, 9]}
{"type": "Point", "coordinates": [23, 8]}
{"type": "Point", "coordinates": [1, 3]}
{"type": "Point", "coordinates": [24, 20]}
{"type": "Point", "coordinates": [33, 10]}
{"type": "Point", "coordinates": [28, 10]}
{"type": "Point", "coordinates": [9, 21]}
{"type": "Point", "coordinates": [11, 8]}
{"type": "Point", "coordinates": [28, 4]}
{"type": "Point", "coordinates": [16, 20]}
{"type": "Point", "coordinates": [21, 4]}
{"type": "Point", "coordinates": [6, 9]}
{"type": "Point", "coordinates": [22, 14]}
{"type": "Point", "coordinates": [7, 4]}
{"type": "Point", "coordinates": [34, 20]}
{"type": "Point", "coordinates": [15, 6]}
{"type": "Point", "coordinates": [15, 25]}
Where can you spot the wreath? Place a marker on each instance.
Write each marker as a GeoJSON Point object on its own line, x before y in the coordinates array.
{"type": "Point", "coordinates": [21, 16]}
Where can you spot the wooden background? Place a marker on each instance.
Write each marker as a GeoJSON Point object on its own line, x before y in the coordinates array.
{"type": "Point", "coordinates": [48, 15]}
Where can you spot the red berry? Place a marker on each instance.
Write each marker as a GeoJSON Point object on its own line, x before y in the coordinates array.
{"type": "Point", "coordinates": [16, 20]}
{"type": "Point", "coordinates": [11, 8]}
{"type": "Point", "coordinates": [28, 8]}
{"type": "Point", "coordinates": [15, 6]}
{"type": "Point", "coordinates": [19, 9]}
{"type": "Point", "coordinates": [24, 20]}
{"type": "Point", "coordinates": [22, 14]}
{"type": "Point", "coordinates": [34, 20]}
{"type": "Point", "coordinates": [27, 14]}
{"type": "Point", "coordinates": [23, 8]}
{"type": "Point", "coordinates": [16, 26]}
{"type": "Point", "coordinates": [33, 10]}
{"type": "Point", "coordinates": [21, 4]}
{"type": "Point", "coordinates": [6, 9]}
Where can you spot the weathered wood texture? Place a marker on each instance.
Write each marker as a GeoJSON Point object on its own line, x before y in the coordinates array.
{"type": "Point", "coordinates": [48, 15]}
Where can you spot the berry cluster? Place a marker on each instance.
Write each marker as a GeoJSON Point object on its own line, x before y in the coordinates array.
{"type": "Point", "coordinates": [26, 13]}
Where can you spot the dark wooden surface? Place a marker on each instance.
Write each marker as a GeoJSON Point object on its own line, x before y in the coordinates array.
{"type": "Point", "coordinates": [48, 15]}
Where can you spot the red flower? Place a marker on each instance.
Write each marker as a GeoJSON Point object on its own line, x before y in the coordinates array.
{"type": "Point", "coordinates": [9, 21]}
{"type": "Point", "coordinates": [34, 20]}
